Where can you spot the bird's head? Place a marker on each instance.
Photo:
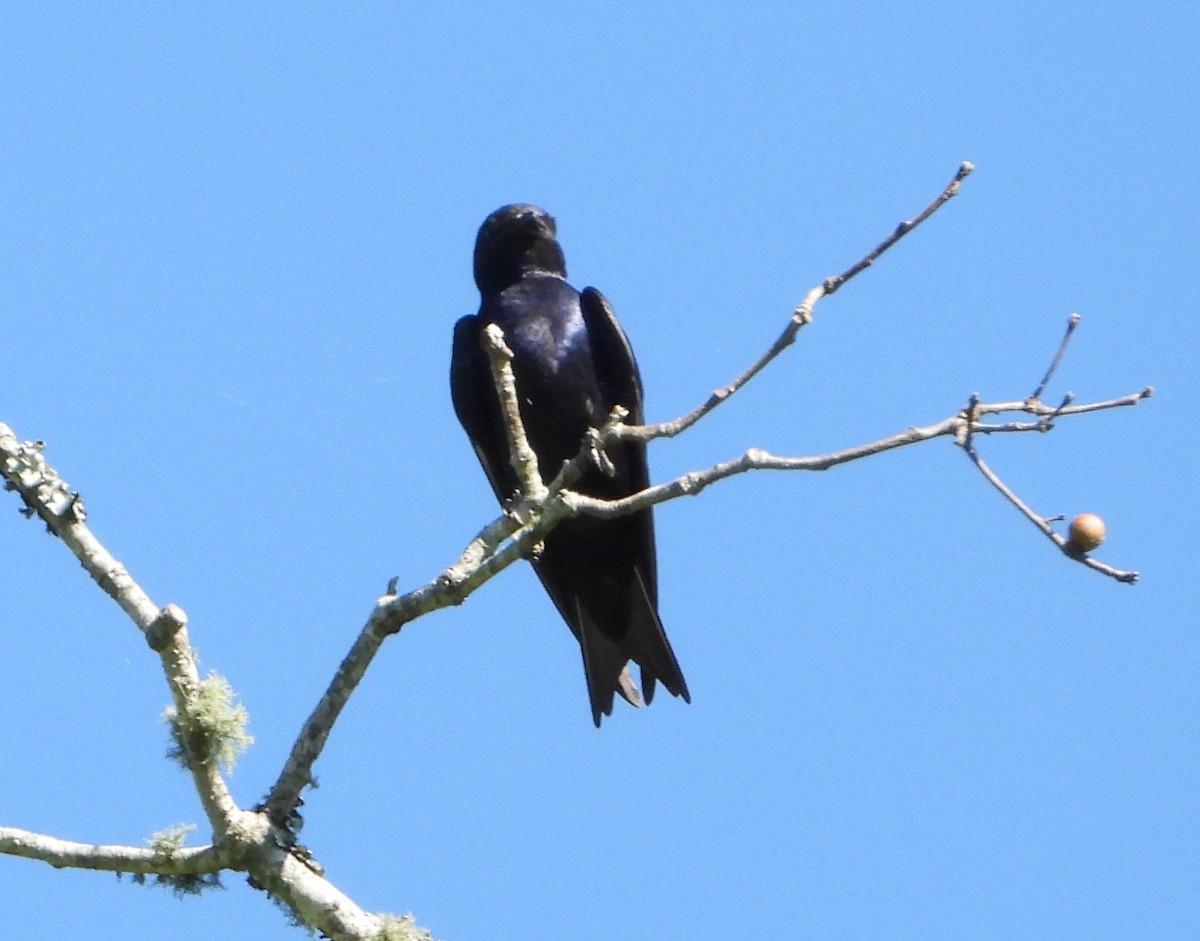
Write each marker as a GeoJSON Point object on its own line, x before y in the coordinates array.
{"type": "Point", "coordinates": [514, 241]}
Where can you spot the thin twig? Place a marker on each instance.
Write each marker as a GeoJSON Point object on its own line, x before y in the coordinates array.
{"type": "Point", "coordinates": [801, 317]}
{"type": "Point", "coordinates": [964, 171]}
{"type": "Point", "coordinates": [1034, 407]}
{"type": "Point", "coordinates": [1048, 421]}
{"type": "Point", "coordinates": [958, 426]}
{"type": "Point", "coordinates": [1043, 525]}
{"type": "Point", "coordinates": [499, 544]}
{"type": "Point", "coordinates": [1072, 323]}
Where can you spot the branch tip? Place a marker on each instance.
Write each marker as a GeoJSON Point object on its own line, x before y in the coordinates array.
{"type": "Point", "coordinates": [1072, 323]}
{"type": "Point", "coordinates": [521, 454]}
{"type": "Point", "coordinates": [1043, 523]}
{"type": "Point", "coordinates": [493, 341]}
{"type": "Point", "coordinates": [162, 630]}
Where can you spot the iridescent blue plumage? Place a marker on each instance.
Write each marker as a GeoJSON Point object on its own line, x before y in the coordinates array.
{"type": "Point", "coordinates": [573, 364]}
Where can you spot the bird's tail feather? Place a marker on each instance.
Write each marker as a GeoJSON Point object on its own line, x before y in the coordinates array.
{"type": "Point", "coordinates": [604, 665]}
{"type": "Point", "coordinates": [650, 648]}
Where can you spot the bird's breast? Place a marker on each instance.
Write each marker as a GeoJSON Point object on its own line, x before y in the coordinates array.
{"type": "Point", "coordinates": [543, 323]}
{"type": "Point", "coordinates": [552, 361]}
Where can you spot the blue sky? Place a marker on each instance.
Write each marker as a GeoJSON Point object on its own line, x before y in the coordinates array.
{"type": "Point", "coordinates": [235, 241]}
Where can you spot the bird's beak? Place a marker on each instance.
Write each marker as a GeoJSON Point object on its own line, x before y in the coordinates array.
{"type": "Point", "coordinates": [542, 220]}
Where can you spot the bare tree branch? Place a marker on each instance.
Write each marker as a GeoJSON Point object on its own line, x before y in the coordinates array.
{"type": "Point", "coordinates": [801, 317]}
{"type": "Point", "coordinates": [514, 535]}
{"type": "Point", "coordinates": [503, 542]}
{"type": "Point", "coordinates": [507, 540]}
{"type": "Point", "coordinates": [964, 171]}
{"type": "Point", "coordinates": [1072, 323]}
{"type": "Point", "coordinates": [262, 842]}
{"type": "Point", "coordinates": [49, 497]}
{"type": "Point", "coordinates": [524, 460]}
{"type": "Point", "coordinates": [958, 426]}
{"type": "Point", "coordinates": [1043, 524]}
{"type": "Point", "coordinates": [136, 859]}
{"type": "Point", "coordinates": [244, 841]}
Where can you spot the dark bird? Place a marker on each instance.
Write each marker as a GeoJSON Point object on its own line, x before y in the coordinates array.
{"type": "Point", "coordinates": [572, 364]}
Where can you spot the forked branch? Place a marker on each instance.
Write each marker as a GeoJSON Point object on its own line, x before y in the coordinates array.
{"type": "Point", "coordinates": [262, 842]}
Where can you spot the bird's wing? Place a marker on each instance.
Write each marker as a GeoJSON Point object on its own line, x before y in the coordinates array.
{"type": "Point", "coordinates": [615, 363]}
{"type": "Point", "coordinates": [474, 396]}
{"type": "Point", "coordinates": [621, 383]}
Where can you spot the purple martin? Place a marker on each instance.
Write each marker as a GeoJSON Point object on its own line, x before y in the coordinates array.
{"type": "Point", "coordinates": [572, 364]}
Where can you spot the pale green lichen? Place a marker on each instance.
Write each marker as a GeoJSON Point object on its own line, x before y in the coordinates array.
{"type": "Point", "coordinates": [211, 728]}
{"type": "Point", "coordinates": [400, 928]}
{"type": "Point", "coordinates": [182, 885]}
{"type": "Point", "coordinates": [166, 843]}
